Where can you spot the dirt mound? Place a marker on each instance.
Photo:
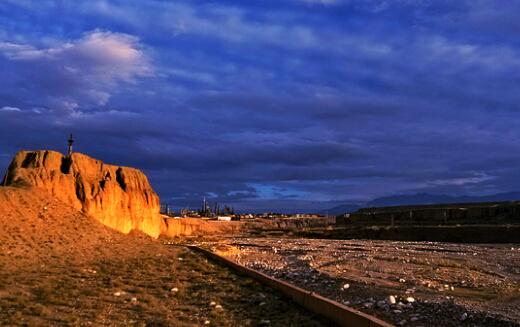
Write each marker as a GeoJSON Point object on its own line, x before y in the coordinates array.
{"type": "Point", "coordinates": [119, 197]}
{"type": "Point", "coordinates": [36, 229]}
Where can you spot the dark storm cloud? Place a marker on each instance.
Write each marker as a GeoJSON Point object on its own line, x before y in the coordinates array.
{"type": "Point", "coordinates": [271, 104]}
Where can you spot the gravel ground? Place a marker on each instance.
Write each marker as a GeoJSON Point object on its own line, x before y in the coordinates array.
{"type": "Point", "coordinates": [406, 283]}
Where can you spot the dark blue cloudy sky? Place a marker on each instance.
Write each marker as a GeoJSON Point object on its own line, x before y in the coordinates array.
{"type": "Point", "coordinates": [271, 103]}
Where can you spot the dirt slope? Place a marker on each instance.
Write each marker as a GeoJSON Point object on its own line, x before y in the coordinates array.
{"type": "Point", "coordinates": [37, 229]}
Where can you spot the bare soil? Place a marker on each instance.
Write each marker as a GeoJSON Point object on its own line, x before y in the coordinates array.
{"type": "Point", "coordinates": [434, 284]}
{"type": "Point", "coordinates": [61, 268]}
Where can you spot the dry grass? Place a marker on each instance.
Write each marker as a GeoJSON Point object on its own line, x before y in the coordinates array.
{"type": "Point", "coordinates": [137, 291]}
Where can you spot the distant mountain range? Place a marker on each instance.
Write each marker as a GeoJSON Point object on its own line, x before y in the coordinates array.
{"type": "Point", "coordinates": [338, 210]}
{"type": "Point", "coordinates": [422, 198]}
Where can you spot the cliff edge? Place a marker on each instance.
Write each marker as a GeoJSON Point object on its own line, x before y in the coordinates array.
{"type": "Point", "coordinates": [119, 197]}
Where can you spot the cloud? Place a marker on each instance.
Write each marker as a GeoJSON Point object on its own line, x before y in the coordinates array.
{"type": "Point", "coordinates": [321, 2]}
{"type": "Point", "coordinates": [309, 101]}
{"type": "Point", "coordinates": [8, 108]}
{"type": "Point", "coordinates": [80, 73]}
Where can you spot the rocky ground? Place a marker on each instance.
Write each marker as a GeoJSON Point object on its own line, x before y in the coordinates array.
{"type": "Point", "coordinates": [406, 283]}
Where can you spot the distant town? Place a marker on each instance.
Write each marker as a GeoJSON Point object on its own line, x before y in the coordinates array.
{"type": "Point", "coordinates": [216, 211]}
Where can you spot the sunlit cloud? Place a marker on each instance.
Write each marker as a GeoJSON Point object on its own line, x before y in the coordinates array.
{"type": "Point", "coordinates": [81, 72]}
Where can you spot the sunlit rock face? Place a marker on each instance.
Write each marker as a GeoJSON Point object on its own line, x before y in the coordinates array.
{"type": "Point", "coordinates": [195, 226]}
{"type": "Point", "coordinates": [119, 197]}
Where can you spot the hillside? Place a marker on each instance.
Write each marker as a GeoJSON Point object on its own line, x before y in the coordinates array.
{"type": "Point", "coordinates": [37, 229]}
{"type": "Point", "coordinates": [61, 267]}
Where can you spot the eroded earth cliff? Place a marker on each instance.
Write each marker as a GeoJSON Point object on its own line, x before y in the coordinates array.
{"type": "Point", "coordinates": [119, 197]}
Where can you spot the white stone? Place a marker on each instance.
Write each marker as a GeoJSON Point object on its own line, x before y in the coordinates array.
{"type": "Point", "coordinates": [346, 286]}
{"type": "Point", "coordinates": [464, 316]}
{"type": "Point", "coordinates": [410, 299]}
{"type": "Point", "coordinates": [117, 294]}
{"type": "Point", "coordinates": [391, 299]}
{"type": "Point", "coordinates": [212, 304]}
{"type": "Point", "coordinates": [175, 289]}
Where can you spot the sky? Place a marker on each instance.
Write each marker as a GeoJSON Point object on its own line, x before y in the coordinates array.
{"type": "Point", "coordinates": [271, 104]}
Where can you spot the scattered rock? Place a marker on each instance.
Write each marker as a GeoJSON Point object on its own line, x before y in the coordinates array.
{"type": "Point", "coordinates": [410, 299]}
{"type": "Point", "coordinates": [391, 299]}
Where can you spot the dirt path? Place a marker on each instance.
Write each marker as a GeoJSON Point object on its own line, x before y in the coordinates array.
{"type": "Point", "coordinates": [433, 284]}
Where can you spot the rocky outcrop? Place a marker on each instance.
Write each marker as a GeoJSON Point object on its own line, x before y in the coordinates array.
{"type": "Point", "coordinates": [119, 197]}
